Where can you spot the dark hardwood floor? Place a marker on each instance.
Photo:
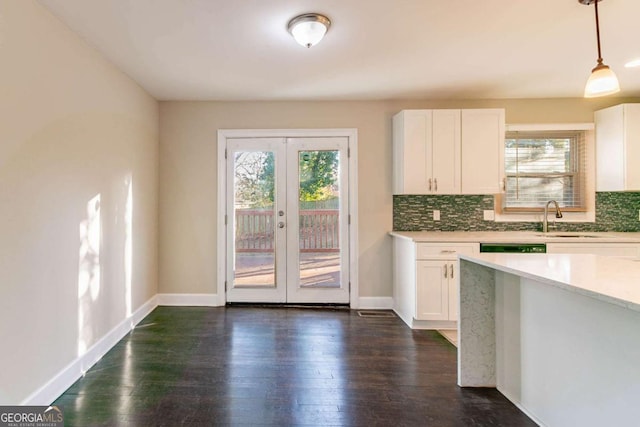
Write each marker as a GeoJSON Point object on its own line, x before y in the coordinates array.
{"type": "Point", "coordinates": [280, 366]}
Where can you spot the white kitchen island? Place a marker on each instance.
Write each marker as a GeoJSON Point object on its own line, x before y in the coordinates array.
{"type": "Point", "coordinates": [557, 334]}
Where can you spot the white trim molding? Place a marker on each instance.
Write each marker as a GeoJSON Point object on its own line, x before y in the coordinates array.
{"type": "Point", "coordinates": [375, 303]}
{"type": "Point", "coordinates": [64, 379]}
{"type": "Point", "coordinates": [351, 134]}
{"type": "Point", "coordinates": [548, 126]}
{"type": "Point", "coordinates": [590, 214]}
{"type": "Point", "coordinates": [192, 300]}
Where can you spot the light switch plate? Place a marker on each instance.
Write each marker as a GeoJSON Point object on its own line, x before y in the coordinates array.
{"type": "Point", "coordinates": [489, 215]}
{"type": "Point", "coordinates": [436, 215]}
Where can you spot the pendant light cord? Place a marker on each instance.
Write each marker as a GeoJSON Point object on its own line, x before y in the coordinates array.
{"type": "Point", "coordinates": [598, 34]}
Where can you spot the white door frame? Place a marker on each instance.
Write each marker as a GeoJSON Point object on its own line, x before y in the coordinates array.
{"type": "Point", "coordinates": [351, 134]}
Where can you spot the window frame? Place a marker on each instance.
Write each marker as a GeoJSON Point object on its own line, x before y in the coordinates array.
{"type": "Point", "coordinates": [533, 214]}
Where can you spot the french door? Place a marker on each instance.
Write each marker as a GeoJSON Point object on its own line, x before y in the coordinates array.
{"type": "Point", "coordinates": [287, 220]}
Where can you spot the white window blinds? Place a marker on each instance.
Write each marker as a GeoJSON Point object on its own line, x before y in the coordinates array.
{"type": "Point", "coordinates": [542, 166]}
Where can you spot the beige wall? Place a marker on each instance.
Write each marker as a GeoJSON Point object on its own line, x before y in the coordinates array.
{"type": "Point", "coordinates": [72, 127]}
{"type": "Point", "coordinates": [188, 171]}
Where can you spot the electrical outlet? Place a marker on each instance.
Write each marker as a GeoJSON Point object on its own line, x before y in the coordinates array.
{"type": "Point", "coordinates": [436, 215]}
{"type": "Point", "coordinates": [489, 215]}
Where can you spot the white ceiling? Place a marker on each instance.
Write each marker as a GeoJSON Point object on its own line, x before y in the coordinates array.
{"type": "Point", "coordinates": [375, 49]}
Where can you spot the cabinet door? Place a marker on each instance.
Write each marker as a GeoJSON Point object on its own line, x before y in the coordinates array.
{"type": "Point", "coordinates": [445, 152]}
{"type": "Point", "coordinates": [617, 148]}
{"type": "Point", "coordinates": [432, 290]}
{"type": "Point", "coordinates": [454, 274]}
{"type": "Point", "coordinates": [610, 149]}
{"type": "Point", "coordinates": [412, 152]}
{"type": "Point", "coordinates": [482, 151]}
{"type": "Point", "coordinates": [632, 147]}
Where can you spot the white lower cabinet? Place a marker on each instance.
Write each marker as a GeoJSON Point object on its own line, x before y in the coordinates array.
{"type": "Point", "coordinates": [437, 290]}
{"type": "Point", "coordinates": [426, 276]}
{"type": "Point", "coordinates": [426, 282]}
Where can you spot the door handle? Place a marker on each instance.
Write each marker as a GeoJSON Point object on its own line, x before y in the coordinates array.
{"type": "Point", "coordinates": [281, 224]}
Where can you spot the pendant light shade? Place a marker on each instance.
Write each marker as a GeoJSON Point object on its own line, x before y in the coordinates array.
{"type": "Point", "coordinates": [603, 80]}
{"type": "Point", "coordinates": [309, 29]}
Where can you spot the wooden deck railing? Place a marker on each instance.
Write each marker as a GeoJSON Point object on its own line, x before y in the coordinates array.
{"type": "Point", "coordinates": [319, 230]}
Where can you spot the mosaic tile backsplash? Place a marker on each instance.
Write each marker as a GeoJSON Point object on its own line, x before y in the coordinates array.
{"type": "Point", "coordinates": [615, 211]}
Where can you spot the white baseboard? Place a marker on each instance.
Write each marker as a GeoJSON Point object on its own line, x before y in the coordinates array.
{"type": "Point", "coordinates": [408, 319]}
{"type": "Point", "coordinates": [434, 325]}
{"type": "Point", "coordinates": [50, 391]}
{"type": "Point", "coordinates": [426, 324]}
{"type": "Point", "coordinates": [200, 300]}
{"type": "Point", "coordinates": [375, 303]}
{"type": "Point", "coordinates": [518, 404]}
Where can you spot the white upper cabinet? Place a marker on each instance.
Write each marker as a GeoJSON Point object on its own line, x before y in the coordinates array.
{"type": "Point", "coordinates": [618, 148]}
{"type": "Point", "coordinates": [411, 136]}
{"type": "Point", "coordinates": [448, 151]}
{"type": "Point", "coordinates": [482, 151]}
{"type": "Point", "coordinates": [426, 152]}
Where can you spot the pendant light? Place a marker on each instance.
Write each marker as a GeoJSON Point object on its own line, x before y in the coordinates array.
{"type": "Point", "coordinates": [309, 29]}
{"type": "Point", "coordinates": [603, 80]}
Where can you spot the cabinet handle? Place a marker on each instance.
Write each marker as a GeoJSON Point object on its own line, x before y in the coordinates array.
{"type": "Point", "coordinates": [429, 184]}
{"type": "Point", "coordinates": [447, 251]}
{"type": "Point", "coordinates": [503, 184]}
{"type": "Point", "coordinates": [451, 270]}
{"type": "Point", "coordinates": [445, 271]}
{"type": "Point", "coordinates": [435, 181]}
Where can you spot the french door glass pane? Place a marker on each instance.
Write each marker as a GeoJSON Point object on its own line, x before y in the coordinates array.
{"type": "Point", "coordinates": [254, 206]}
{"type": "Point", "coordinates": [319, 218]}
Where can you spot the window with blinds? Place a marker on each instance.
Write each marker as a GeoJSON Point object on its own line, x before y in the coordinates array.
{"type": "Point", "coordinates": [542, 166]}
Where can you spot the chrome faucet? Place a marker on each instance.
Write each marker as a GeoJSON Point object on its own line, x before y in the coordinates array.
{"type": "Point", "coordinates": [545, 223]}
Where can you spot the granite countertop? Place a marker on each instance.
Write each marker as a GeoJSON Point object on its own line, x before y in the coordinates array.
{"type": "Point", "coordinates": [612, 280]}
{"type": "Point", "coordinates": [516, 237]}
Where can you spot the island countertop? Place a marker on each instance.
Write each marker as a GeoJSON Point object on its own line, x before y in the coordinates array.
{"type": "Point", "coordinates": [609, 279]}
{"type": "Point", "coordinates": [556, 334]}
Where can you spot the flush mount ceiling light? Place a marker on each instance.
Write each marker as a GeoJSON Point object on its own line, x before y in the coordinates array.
{"type": "Point", "coordinates": [309, 29]}
{"type": "Point", "coordinates": [603, 80]}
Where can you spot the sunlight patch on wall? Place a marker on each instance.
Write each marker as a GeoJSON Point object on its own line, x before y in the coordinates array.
{"type": "Point", "coordinates": [88, 272]}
